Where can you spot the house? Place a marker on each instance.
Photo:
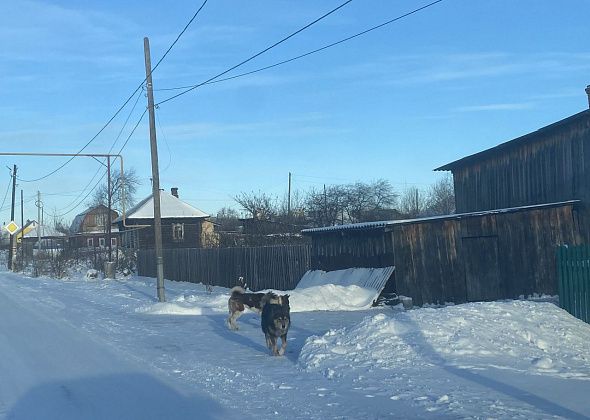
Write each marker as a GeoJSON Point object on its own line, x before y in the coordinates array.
{"type": "Point", "coordinates": [515, 203]}
{"type": "Point", "coordinates": [89, 228]}
{"type": "Point", "coordinates": [183, 226]}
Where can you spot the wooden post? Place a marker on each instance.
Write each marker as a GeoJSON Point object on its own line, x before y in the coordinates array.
{"type": "Point", "coordinates": [12, 241]}
{"type": "Point", "coordinates": [155, 173]}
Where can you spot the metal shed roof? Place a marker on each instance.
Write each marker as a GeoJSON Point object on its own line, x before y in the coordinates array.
{"type": "Point", "coordinates": [517, 142]}
{"type": "Point", "coordinates": [384, 225]}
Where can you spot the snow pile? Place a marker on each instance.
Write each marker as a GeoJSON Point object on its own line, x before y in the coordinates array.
{"type": "Point", "coordinates": [188, 304]}
{"type": "Point", "coordinates": [331, 298]}
{"type": "Point", "coordinates": [525, 337]}
{"type": "Point", "coordinates": [195, 300]}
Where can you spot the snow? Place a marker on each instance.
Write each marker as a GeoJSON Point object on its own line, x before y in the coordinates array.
{"type": "Point", "coordinates": [170, 207]}
{"type": "Point", "coordinates": [95, 348]}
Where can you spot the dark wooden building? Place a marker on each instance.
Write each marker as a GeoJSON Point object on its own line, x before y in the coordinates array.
{"type": "Point", "coordinates": [183, 226]}
{"type": "Point", "coordinates": [516, 203]}
{"type": "Point", "coordinates": [549, 165]}
{"type": "Point", "coordinates": [457, 258]}
{"type": "Point", "coordinates": [89, 228]}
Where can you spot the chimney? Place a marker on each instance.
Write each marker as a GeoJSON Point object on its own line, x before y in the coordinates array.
{"type": "Point", "coordinates": [588, 93]}
{"type": "Point", "coordinates": [174, 190]}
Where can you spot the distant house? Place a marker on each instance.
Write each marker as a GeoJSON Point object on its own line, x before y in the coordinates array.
{"type": "Point", "coordinates": [183, 226]}
{"type": "Point", "coordinates": [89, 228]}
{"type": "Point", "coordinates": [50, 238]}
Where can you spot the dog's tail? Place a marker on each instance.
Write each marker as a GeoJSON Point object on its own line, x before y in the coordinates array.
{"type": "Point", "coordinates": [269, 297]}
{"type": "Point", "coordinates": [237, 290]}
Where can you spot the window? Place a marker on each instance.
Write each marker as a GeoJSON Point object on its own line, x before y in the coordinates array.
{"type": "Point", "coordinates": [101, 242]}
{"type": "Point", "coordinates": [90, 242]}
{"type": "Point", "coordinates": [113, 241]}
{"type": "Point", "coordinates": [178, 232]}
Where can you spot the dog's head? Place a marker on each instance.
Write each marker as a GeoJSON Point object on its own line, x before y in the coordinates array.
{"type": "Point", "coordinates": [281, 323]}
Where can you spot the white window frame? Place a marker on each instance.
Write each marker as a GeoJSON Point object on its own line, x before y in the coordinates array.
{"type": "Point", "coordinates": [102, 242]}
{"type": "Point", "coordinates": [90, 242]}
{"type": "Point", "coordinates": [113, 241]}
{"type": "Point", "coordinates": [178, 228]}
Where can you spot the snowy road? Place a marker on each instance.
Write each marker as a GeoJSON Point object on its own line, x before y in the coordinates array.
{"type": "Point", "coordinates": [107, 349]}
{"type": "Point", "coordinates": [52, 369]}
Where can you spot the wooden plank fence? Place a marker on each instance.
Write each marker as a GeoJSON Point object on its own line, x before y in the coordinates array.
{"type": "Point", "coordinates": [270, 267]}
{"type": "Point", "coordinates": [573, 264]}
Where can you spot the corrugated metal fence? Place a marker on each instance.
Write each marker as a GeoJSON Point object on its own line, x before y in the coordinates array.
{"type": "Point", "coordinates": [269, 267]}
{"type": "Point", "coordinates": [573, 264]}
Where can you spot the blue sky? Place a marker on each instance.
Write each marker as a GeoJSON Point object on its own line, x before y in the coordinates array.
{"type": "Point", "coordinates": [449, 81]}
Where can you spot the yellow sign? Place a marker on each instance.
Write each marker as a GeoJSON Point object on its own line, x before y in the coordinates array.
{"type": "Point", "coordinates": [12, 227]}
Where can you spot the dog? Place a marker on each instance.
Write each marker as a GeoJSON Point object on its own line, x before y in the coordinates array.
{"type": "Point", "coordinates": [275, 321]}
{"type": "Point", "coordinates": [239, 300]}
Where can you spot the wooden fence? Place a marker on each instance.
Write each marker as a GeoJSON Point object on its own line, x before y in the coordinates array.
{"type": "Point", "coordinates": [573, 264]}
{"type": "Point", "coordinates": [270, 267]}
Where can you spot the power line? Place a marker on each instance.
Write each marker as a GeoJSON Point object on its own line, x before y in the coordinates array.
{"type": "Point", "coordinates": [280, 63]}
{"type": "Point", "coordinates": [83, 190]}
{"type": "Point", "coordinates": [124, 104]}
{"type": "Point", "coordinates": [258, 54]}
{"type": "Point", "coordinates": [7, 189]}
{"type": "Point", "coordinates": [75, 203]}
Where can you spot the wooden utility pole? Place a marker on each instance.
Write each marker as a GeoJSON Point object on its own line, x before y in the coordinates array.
{"type": "Point", "coordinates": [289, 199]}
{"type": "Point", "coordinates": [110, 200]}
{"type": "Point", "coordinates": [155, 173]}
{"type": "Point", "coordinates": [11, 250]}
{"type": "Point", "coordinates": [22, 226]}
{"type": "Point", "coordinates": [39, 205]}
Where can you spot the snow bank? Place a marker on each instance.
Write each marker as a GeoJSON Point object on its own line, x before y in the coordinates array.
{"type": "Point", "coordinates": [331, 298]}
{"type": "Point", "coordinates": [188, 304]}
{"type": "Point", "coordinates": [528, 337]}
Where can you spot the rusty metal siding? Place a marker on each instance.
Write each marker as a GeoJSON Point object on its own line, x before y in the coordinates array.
{"type": "Point", "coordinates": [550, 169]}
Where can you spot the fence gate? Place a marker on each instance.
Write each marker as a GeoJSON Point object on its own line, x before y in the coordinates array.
{"type": "Point", "coordinates": [573, 266]}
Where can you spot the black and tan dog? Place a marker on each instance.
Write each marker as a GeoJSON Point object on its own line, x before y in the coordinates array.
{"type": "Point", "coordinates": [275, 321]}
{"type": "Point", "coordinates": [239, 300]}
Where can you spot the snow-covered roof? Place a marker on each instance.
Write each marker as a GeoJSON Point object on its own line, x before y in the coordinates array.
{"type": "Point", "coordinates": [170, 207]}
{"type": "Point", "coordinates": [386, 223]}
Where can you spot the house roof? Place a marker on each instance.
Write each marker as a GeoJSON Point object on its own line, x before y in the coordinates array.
{"type": "Point", "coordinates": [79, 219]}
{"type": "Point", "coordinates": [385, 224]}
{"type": "Point", "coordinates": [170, 207]}
{"type": "Point", "coordinates": [517, 142]}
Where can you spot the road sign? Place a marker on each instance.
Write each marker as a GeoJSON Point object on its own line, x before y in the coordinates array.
{"type": "Point", "coordinates": [12, 227]}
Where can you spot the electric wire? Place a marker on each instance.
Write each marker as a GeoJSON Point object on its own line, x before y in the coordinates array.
{"type": "Point", "coordinates": [101, 179]}
{"type": "Point", "coordinates": [6, 193]}
{"type": "Point", "coordinates": [75, 200]}
{"type": "Point", "coordinates": [122, 106]}
{"type": "Point", "coordinates": [258, 54]}
{"type": "Point", "coordinates": [325, 47]}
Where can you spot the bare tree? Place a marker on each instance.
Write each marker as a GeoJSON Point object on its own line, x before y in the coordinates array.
{"type": "Point", "coordinates": [412, 203]}
{"type": "Point", "coordinates": [326, 207]}
{"type": "Point", "coordinates": [123, 189]}
{"type": "Point", "coordinates": [228, 219]}
{"type": "Point", "coordinates": [259, 205]}
{"type": "Point", "coordinates": [441, 197]}
{"type": "Point", "coordinates": [365, 201]}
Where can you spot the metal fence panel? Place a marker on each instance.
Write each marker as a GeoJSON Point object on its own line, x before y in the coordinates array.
{"type": "Point", "coordinates": [573, 266]}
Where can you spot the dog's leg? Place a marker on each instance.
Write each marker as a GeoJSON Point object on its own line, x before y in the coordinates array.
{"type": "Point", "coordinates": [268, 341]}
{"type": "Point", "coordinates": [231, 321]}
{"type": "Point", "coordinates": [283, 344]}
{"type": "Point", "coordinates": [275, 351]}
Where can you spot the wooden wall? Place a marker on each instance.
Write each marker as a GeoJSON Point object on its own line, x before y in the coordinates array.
{"type": "Point", "coordinates": [274, 267]}
{"type": "Point", "coordinates": [548, 167]}
{"type": "Point", "coordinates": [192, 233]}
{"type": "Point", "coordinates": [484, 257]}
{"type": "Point", "coordinates": [336, 250]}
